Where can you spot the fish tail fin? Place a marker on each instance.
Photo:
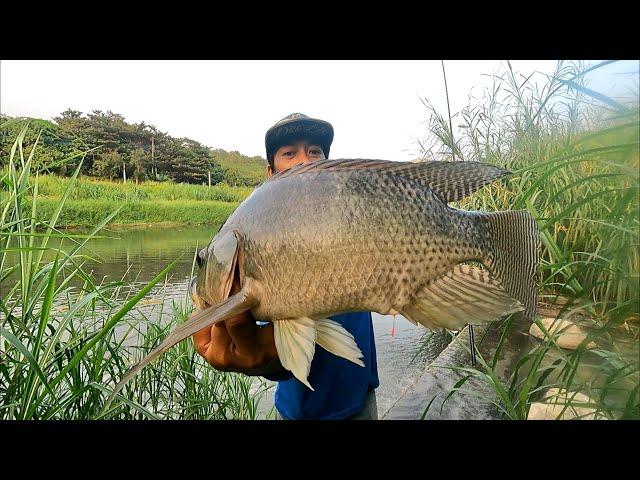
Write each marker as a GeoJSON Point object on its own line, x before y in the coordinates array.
{"type": "Point", "coordinates": [513, 254]}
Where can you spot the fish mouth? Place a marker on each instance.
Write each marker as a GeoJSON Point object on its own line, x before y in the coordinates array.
{"type": "Point", "coordinates": [197, 300]}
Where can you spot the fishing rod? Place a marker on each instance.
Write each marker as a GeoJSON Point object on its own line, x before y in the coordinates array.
{"type": "Point", "coordinates": [453, 155]}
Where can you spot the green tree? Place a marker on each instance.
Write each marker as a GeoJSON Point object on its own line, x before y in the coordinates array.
{"type": "Point", "coordinates": [108, 164]}
{"type": "Point", "coordinates": [138, 160]}
{"type": "Point", "coordinates": [111, 141]}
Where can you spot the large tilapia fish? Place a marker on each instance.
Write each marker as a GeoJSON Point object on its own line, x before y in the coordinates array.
{"type": "Point", "coordinates": [338, 236]}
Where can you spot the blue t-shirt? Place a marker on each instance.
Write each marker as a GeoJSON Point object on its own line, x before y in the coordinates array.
{"type": "Point", "coordinates": [340, 386]}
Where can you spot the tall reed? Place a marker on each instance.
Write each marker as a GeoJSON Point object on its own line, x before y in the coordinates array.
{"type": "Point", "coordinates": [573, 154]}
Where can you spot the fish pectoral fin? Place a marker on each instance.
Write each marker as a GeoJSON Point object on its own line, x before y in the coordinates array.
{"type": "Point", "coordinates": [334, 338]}
{"type": "Point", "coordinates": [463, 295]}
{"type": "Point", "coordinates": [296, 342]}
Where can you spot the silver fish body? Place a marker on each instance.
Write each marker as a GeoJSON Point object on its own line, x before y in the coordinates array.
{"type": "Point", "coordinates": [331, 240]}
{"type": "Point", "coordinates": [334, 241]}
{"type": "Point", "coordinates": [338, 236]}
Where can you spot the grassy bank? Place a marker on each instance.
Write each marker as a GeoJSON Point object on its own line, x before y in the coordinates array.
{"type": "Point", "coordinates": [88, 201]}
{"type": "Point", "coordinates": [87, 213]}
{"type": "Point", "coordinates": [87, 188]}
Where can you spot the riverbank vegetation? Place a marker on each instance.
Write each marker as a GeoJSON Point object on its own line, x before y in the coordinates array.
{"type": "Point", "coordinates": [86, 213]}
{"type": "Point", "coordinates": [157, 177]}
{"type": "Point", "coordinates": [63, 348]}
{"type": "Point", "coordinates": [91, 200]}
{"type": "Point", "coordinates": [88, 201]}
{"type": "Point", "coordinates": [574, 157]}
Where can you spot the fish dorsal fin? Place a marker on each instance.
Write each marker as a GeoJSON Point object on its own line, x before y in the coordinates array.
{"type": "Point", "coordinates": [295, 342]}
{"type": "Point", "coordinates": [463, 295]}
{"type": "Point", "coordinates": [452, 181]}
{"type": "Point", "coordinates": [334, 338]}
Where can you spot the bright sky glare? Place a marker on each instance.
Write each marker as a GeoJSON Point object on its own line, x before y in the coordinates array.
{"type": "Point", "coordinates": [374, 106]}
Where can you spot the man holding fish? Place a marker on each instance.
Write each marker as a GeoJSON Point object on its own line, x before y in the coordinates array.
{"type": "Point", "coordinates": [321, 237]}
{"type": "Point", "coordinates": [342, 389]}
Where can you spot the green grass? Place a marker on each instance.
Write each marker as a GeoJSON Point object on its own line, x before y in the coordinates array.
{"type": "Point", "coordinates": [85, 213]}
{"type": "Point", "coordinates": [90, 200]}
{"type": "Point", "coordinates": [575, 163]}
{"type": "Point", "coordinates": [87, 188]}
{"type": "Point", "coordinates": [63, 349]}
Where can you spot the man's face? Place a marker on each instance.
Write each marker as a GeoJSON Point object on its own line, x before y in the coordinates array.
{"type": "Point", "coordinates": [294, 154]}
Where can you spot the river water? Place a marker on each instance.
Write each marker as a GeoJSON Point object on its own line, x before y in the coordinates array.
{"type": "Point", "coordinates": [138, 254]}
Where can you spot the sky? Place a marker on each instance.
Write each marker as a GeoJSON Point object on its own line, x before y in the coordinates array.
{"type": "Point", "coordinates": [374, 106]}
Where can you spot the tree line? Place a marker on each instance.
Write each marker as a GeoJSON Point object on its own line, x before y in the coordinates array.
{"type": "Point", "coordinates": [118, 149]}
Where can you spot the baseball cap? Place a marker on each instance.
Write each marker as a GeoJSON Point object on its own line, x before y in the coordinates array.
{"type": "Point", "coordinates": [297, 126]}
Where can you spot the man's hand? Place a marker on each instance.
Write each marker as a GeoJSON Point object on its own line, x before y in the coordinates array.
{"type": "Point", "coordinates": [239, 345]}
